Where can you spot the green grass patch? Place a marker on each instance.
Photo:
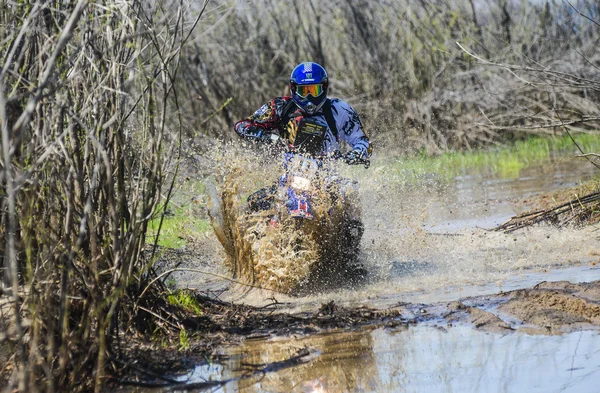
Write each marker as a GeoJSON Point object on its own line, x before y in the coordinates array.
{"type": "Point", "coordinates": [184, 340]}
{"type": "Point", "coordinates": [186, 300]}
{"type": "Point", "coordinates": [507, 162]}
{"type": "Point", "coordinates": [179, 225]}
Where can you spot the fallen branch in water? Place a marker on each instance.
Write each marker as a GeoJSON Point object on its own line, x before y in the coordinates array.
{"type": "Point", "coordinates": [304, 355]}
{"type": "Point", "coordinates": [583, 210]}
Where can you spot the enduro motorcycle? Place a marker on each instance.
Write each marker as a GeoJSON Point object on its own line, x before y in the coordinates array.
{"type": "Point", "coordinates": [302, 233]}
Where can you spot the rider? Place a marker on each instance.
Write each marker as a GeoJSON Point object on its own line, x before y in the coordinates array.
{"type": "Point", "coordinates": [309, 121]}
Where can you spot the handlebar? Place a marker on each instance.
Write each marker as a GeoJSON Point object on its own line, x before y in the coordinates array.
{"type": "Point", "coordinates": [274, 140]}
{"type": "Point", "coordinates": [350, 161]}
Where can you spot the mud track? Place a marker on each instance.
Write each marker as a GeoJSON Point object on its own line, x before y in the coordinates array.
{"type": "Point", "coordinates": [549, 308]}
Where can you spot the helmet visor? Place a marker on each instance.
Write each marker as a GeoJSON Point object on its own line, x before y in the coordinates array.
{"type": "Point", "coordinates": [312, 90]}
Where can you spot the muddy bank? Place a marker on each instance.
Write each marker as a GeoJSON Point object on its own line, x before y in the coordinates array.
{"type": "Point", "coordinates": [576, 207]}
{"type": "Point", "coordinates": [547, 308]}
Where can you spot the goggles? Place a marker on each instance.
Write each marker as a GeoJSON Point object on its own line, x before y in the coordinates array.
{"type": "Point", "coordinates": [312, 90]}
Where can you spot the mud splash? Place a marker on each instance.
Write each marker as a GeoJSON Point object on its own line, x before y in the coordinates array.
{"type": "Point", "coordinates": [268, 248]}
{"type": "Point", "coordinates": [448, 305]}
{"type": "Point", "coordinates": [428, 241]}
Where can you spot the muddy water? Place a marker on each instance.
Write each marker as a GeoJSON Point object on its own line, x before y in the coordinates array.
{"type": "Point", "coordinates": [430, 242]}
{"type": "Point", "coordinates": [425, 244]}
{"type": "Point", "coordinates": [424, 358]}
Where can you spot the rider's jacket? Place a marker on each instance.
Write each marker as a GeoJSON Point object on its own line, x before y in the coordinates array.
{"type": "Point", "coordinates": [309, 132]}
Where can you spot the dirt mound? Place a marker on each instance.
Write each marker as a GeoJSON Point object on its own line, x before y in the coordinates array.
{"type": "Point", "coordinates": [552, 310]}
{"type": "Point", "coordinates": [547, 308]}
{"type": "Point", "coordinates": [479, 318]}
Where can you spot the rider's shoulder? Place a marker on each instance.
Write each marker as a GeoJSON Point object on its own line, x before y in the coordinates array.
{"type": "Point", "coordinates": [338, 104]}
{"type": "Point", "coordinates": [280, 102]}
{"type": "Point", "coordinates": [283, 99]}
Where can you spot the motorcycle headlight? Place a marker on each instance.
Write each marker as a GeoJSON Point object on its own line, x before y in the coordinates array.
{"type": "Point", "coordinates": [300, 183]}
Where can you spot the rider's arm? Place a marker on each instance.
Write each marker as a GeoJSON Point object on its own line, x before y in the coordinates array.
{"type": "Point", "coordinates": [262, 123]}
{"type": "Point", "coordinates": [350, 128]}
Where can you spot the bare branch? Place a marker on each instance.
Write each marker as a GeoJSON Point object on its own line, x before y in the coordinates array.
{"type": "Point", "coordinates": [585, 16]}
{"type": "Point", "coordinates": [49, 67]}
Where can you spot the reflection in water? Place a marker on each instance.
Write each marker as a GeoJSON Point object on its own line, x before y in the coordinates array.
{"type": "Point", "coordinates": [346, 364]}
{"type": "Point", "coordinates": [420, 359]}
{"type": "Point", "coordinates": [463, 360]}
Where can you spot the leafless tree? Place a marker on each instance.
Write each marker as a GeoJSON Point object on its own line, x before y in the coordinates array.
{"type": "Point", "coordinates": [396, 61]}
{"type": "Point", "coordinates": [90, 132]}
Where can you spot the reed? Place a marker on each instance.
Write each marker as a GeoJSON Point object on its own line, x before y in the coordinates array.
{"type": "Point", "coordinates": [90, 144]}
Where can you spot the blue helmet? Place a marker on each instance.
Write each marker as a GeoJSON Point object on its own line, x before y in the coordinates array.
{"type": "Point", "coordinates": [308, 84]}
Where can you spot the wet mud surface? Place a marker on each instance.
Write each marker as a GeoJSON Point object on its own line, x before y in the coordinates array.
{"type": "Point", "coordinates": [549, 308]}
{"type": "Point", "coordinates": [447, 305]}
{"type": "Point", "coordinates": [543, 339]}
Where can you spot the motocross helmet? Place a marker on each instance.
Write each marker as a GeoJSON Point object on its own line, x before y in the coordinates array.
{"type": "Point", "coordinates": [308, 85]}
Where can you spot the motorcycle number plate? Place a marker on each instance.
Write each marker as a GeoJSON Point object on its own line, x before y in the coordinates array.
{"type": "Point", "coordinates": [309, 137]}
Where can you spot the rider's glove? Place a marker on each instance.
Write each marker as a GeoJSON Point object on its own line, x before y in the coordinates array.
{"type": "Point", "coordinates": [269, 136]}
{"type": "Point", "coordinates": [355, 157]}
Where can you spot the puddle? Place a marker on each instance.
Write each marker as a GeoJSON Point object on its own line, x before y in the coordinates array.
{"type": "Point", "coordinates": [429, 243]}
{"type": "Point", "coordinates": [424, 246]}
{"type": "Point", "coordinates": [418, 359]}
{"type": "Point", "coordinates": [475, 200]}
